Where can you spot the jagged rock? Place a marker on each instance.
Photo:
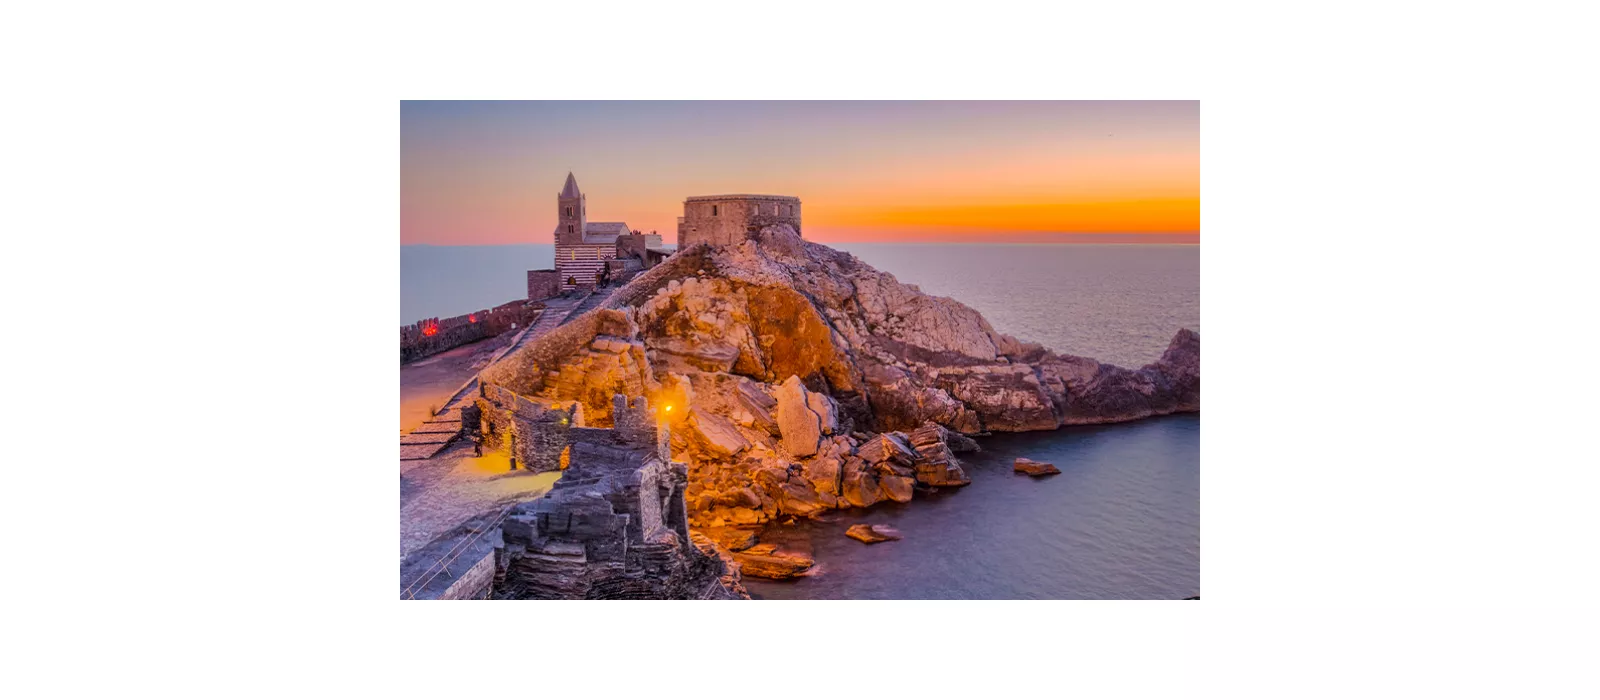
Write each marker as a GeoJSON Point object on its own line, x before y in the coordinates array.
{"type": "Point", "coordinates": [858, 484]}
{"type": "Point", "coordinates": [1030, 467]}
{"type": "Point", "coordinates": [1006, 397]}
{"type": "Point", "coordinates": [959, 443]}
{"type": "Point", "coordinates": [937, 465]}
{"type": "Point", "coordinates": [714, 435]}
{"type": "Point", "coordinates": [827, 415]}
{"type": "Point", "coordinates": [800, 426]}
{"type": "Point", "coordinates": [886, 447]}
{"type": "Point", "coordinates": [732, 539]}
{"type": "Point", "coordinates": [897, 488]}
{"type": "Point", "coordinates": [731, 579]}
{"type": "Point", "coordinates": [686, 355]}
{"type": "Point", "coordinates": [872, 533]}
{"type": "Point", "coordinates": [824, 472]}
{"type": "Point", "coordinates": [767, 561]}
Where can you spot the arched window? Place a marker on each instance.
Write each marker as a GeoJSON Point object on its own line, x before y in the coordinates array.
{"type": "Point", "coordinates": [569, 228]}
{"type": "Point", "coordinates": [569, 211]}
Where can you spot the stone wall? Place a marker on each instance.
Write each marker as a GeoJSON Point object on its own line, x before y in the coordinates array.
{"type": "Point", "coordinates": [435, 335]}
{"type": "Point", "coordinates": [614, 526]}
{"type": "Point", "coordinates": [730, 219]}
{"type": "Point", "coordinates": [476, 584]}
{"type": "Point", "coordinates": [536, 434]}
{"type": "Point", "coordinates": [634, 245]}
{"type": "Point", "coordinates": [543, 284]}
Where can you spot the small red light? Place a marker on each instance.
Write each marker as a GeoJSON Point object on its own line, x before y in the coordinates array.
{"type": "Point", "coordinates": [472, 317]}
{"type": "Point", "coordinates": [430, 329]}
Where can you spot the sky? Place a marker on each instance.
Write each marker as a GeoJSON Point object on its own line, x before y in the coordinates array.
{"type": "Point", "coordinates": [487, 173]}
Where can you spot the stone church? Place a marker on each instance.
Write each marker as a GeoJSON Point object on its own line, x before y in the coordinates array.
{"type": "Point", "coordinates": [589, 253]}
{"type": "Point", "coordinates": [582, 246]}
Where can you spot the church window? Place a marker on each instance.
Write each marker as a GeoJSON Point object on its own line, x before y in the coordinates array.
{"type": "Point", "coordinates": [569, 211]}
{"type": "Point", "coordinates": [569, 228]}
{"type": "Point", "coordinates": [713, 210]}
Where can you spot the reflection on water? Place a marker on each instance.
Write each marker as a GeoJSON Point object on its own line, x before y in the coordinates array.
{"type": "Point", "coordinates": [1122, 520]}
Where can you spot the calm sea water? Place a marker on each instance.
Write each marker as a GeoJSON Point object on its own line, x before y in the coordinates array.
{"type": "Point", "coordinates": [1116, 303]}
{"type": "Point", "coordinates": [1122, 520]}
{"type": "Point", "coordinates": [445, 281]}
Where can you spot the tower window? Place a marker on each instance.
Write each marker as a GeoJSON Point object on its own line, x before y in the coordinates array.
{"type": "Point", "coordinates": [713, 210]}
{"type": "Point", "coordinates": [569, 228]}
{"type": "Point", "coordinates": [569, 211]}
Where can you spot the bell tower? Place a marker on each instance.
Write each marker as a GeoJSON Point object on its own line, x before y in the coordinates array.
{"type": "Point", "coordinates": [571, 213]}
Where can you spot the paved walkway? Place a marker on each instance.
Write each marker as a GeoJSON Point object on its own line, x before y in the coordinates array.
{"type": "Point", "coordinates": [450, 500]}
{"type": "Point", "coordinates": [445, 426]}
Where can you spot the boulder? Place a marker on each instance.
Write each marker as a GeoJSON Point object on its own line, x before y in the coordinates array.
{"type": "Point", "coordinates": [1023, 465]}
{"type": "Point", "coordinates": [858, 486]}
{"type": "Point", "coordinates": [885, 447]}
{"type": "Point", "coordinates": [714, 436]}
{"type": "Point", "coordinates": [937, 465]}
{"type": "Point", "coordinates": [872, 533]}
{"type": "Point", "coordinates": [767, 561]}
{"type": "Point", "coordinates": [732, 539]}
{"type": "Point", "coordinates": [800, 426]}
{"type": "Point", "coordinates": [897, 488]}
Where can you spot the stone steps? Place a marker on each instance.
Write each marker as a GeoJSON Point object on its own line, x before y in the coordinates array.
{"type": "Point", "coordinates": [445, 426]}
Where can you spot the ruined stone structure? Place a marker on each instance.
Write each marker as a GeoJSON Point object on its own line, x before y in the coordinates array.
{"type": "Point", "coordinates": [728, 219]}
{"type": "Point", "coordinates": [616, 525]}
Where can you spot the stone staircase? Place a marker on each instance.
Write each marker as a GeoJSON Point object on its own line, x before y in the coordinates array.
{"type": "Point", "coordinates": [445, 426]}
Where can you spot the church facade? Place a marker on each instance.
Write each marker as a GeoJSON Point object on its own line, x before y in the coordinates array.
{"type": "Point", "coordinates": [582, 246]}
{"type": "Point", "coordinates": [591, 253]}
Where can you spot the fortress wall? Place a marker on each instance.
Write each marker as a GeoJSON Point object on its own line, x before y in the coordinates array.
{"type": "Point", "coordinates": [431, 336]}
{"type": "Point", "coordinates": [737, 217]}
{"type": "Point", "coordinates": [543, 284]}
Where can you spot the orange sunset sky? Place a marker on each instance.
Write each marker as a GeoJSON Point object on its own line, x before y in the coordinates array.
{"type": "Point", "coordinates": [486, 173]}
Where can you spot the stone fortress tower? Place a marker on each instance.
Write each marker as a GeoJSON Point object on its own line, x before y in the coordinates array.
{"type": "Point", "coordinates": [730, 218]}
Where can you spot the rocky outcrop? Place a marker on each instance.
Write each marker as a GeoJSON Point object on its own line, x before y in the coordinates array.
{"type": "Point", "coordinates": [767, 561]}
{"type": "Point", "coordinates": [872, 533]}
{"type": "Point", "coordinates": [936, 464]}
{"type": "Point", "coordinates": [802, 380]}
{"type": "Point", "coordinates": [1023, 465]}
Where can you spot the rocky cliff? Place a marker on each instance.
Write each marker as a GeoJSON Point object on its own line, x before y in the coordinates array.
{"type": "Point", "coordinates": [796, 378]}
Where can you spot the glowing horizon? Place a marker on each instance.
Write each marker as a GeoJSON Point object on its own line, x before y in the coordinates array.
{"type": "Point", "coordinates": [487, 173]}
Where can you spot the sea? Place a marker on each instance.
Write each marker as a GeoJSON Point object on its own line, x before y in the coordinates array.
{"type": "Point", "coordinates": [1122, 520]}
